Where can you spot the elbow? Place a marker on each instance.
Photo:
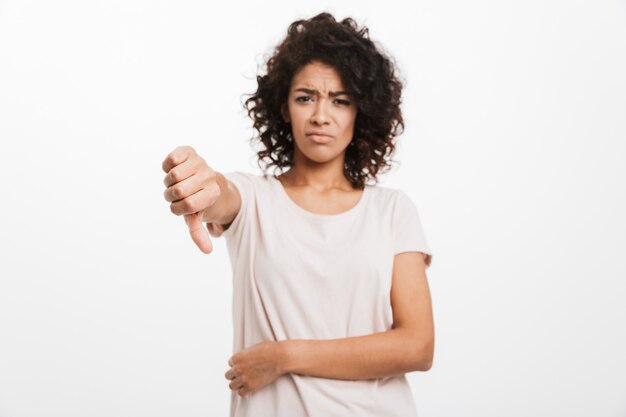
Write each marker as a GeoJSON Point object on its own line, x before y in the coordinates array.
{"type": "Point", "coordinates": [423, 358]}
{"type": "Point", "coordinates": [419, 351]}
{"type": "Point", "coordinates": [425, 365]}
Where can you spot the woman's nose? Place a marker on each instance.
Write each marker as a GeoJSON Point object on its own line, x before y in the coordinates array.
{"type": "Point", "coordinates": [320, 115]}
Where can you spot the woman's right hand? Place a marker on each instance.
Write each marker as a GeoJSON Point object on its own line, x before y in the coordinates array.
{"type": "Point", "coordinates": [191, 188]}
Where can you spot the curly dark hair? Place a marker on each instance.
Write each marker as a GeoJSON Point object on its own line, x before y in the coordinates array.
{"type": "Point", "coordinates": [367, 73]}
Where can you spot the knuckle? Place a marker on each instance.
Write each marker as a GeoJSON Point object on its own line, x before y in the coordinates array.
{"type": "Point", "coordinates": [217, 191]}
{"type": "Point", "coordinates": [174, 175]}
{"type": "Point", "coordinates": [203, 180]}
{"type": "Point", "coordinates": [178, 192]}
{"type": "Point", "coordinates": [191, 203]}
{"type": "Point", "coordinates": [174, 158]}
{"type": "Point", "coordinates": [169, 195]}
{"type": "Point", "coordinates": [185, 206]}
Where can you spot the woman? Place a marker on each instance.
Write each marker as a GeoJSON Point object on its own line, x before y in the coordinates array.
{"type": "Point", "coordinates": [331, 305]}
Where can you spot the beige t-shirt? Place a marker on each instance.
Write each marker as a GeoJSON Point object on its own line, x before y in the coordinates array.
{"type": "Point", "coordinates": [302, 275]}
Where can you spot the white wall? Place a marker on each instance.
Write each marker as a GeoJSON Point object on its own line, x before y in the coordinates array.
{"type": "Point", "coordinates": [514, 153]}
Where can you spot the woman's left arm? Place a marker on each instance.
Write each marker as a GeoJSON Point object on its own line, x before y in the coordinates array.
{"type": "Point", "coordinates": [407, 347]}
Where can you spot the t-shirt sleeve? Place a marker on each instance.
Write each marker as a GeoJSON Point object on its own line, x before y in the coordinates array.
{"type": "Point", "coordinates": [408, 233]}
{"type": "Point", "coordinates": [245, 186]}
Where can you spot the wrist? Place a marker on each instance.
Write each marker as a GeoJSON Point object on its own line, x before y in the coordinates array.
{"type": "Point", "coordinates": [286, 354]}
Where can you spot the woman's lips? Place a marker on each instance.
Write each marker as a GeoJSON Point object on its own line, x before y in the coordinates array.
{"type": "Point", "coordinates": [320, 138]}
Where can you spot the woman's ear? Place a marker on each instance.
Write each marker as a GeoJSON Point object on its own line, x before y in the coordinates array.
{"type": "Point", "coordinates": [285, 112]}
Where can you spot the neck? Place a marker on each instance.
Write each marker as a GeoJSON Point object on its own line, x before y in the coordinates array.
{"type": "Point", "coordinates": [321, 177]}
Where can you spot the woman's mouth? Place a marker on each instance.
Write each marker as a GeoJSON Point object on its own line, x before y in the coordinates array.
{"type": "Point", "coordinates": [320, 138]}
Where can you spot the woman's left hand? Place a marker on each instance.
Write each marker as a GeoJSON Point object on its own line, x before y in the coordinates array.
{"type": "Point", "coordinates": [255, 367]}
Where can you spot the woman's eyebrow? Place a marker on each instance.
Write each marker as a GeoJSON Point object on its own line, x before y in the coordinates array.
{"type": "Point", "coordinates": [331, 93]}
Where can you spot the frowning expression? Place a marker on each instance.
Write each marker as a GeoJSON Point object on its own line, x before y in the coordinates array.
{"type": "Point", "coordinates": [321, 112]}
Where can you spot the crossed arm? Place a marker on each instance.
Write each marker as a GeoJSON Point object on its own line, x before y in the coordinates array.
{"type": "Point", "coordinates": [407, 347]}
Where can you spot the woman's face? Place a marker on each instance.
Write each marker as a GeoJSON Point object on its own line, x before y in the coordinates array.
{"type": "Point", "coordinates": [321, 113]}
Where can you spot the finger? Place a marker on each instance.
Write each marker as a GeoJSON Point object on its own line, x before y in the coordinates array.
{"type": "Point", "coordinates": [197, 202]}
{"type": "Point", "coordinates": [230, 362]}
{"type": "Point", "coordinates": [199, 234]}
{"type": "Point", "coordinates": [236, 385]}
{"type": "Point", "coordinates": [179, 155]}
{"type": "Point", "coordinates": [180, 172]}
{"type": "Point", "coordinates": [184, 188]}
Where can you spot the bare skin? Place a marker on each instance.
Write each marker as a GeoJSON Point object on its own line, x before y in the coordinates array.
{"type": "Point", "coordinates": [197, 192]}
{"type": "Point", "coordinates": [316, 181]}
{"type": "Point", "coordinates": [192, 186]}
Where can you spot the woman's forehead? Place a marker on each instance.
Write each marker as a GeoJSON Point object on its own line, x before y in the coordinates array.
{"type": "Point", "coordinates": [319, 77]}
{"type": "Point", "coordinates": [315, 91]}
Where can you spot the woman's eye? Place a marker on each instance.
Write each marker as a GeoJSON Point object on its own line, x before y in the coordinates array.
{"type": "Point", "coordinates": [304, 99]}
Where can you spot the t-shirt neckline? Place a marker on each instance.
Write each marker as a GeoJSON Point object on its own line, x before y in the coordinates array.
{"type": "Point", "coordinates": [350, 212]}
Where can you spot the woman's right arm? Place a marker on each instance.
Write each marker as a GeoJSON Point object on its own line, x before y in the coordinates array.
{"type": "Point", "coordinates": [227, 205]}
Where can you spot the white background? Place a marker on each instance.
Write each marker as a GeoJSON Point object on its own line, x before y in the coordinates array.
{"type": "Point", "coordinates": [514, 153]}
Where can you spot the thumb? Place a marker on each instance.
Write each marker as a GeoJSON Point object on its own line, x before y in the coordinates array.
{"type": "Point", "coordinates": [199, 234]}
